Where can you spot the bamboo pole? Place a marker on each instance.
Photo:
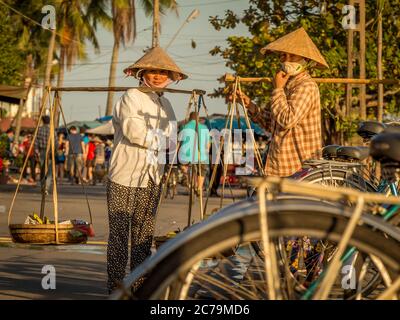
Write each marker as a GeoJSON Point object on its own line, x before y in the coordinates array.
{"type": "Point", "coordinates": [53, 165]}
{"type": "Point", "coordinates": [142, 89]}
{"type": "Point", "coordinates": [231, 78]}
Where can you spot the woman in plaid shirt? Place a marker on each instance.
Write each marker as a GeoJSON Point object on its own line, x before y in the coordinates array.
{"type": "Point", "coordinates": [294, 116]}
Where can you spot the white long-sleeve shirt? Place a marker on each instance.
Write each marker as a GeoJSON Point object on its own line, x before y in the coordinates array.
{"type": "Point", "coordinates": [135, 117]}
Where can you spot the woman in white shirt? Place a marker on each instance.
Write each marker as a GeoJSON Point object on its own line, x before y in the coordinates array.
{"type": "Point", "coordinates": [133, 189]}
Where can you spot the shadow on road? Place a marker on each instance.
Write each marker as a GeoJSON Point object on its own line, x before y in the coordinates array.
{"type": "Point", "coordinates": [78, 279]}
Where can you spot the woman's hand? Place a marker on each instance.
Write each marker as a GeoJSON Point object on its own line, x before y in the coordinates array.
{"type": "Point", "coordinates": [280, 80]}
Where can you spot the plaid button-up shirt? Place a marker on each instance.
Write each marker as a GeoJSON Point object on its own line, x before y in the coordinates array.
{"type": "Point", "coordinates": [43, 137]}
{"type": "Point", "coordinates": [294, 118]}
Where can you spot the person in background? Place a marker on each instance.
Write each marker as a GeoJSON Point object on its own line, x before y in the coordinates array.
{"type": "Point", "coordinates": [26, 144]}
{"type": "Point", "coordinates": [90, 155]}
{"type": "Point", "coordinates": [108, 151]}
{"type": "Point", "coordinates": [41, 146]}
{"type": "Point", "coordinates": [99, 160]}
{"type": "Point", "coordinates": [189, 150]}
{"type": "Point", "coordinates": [9, 138]}
{"type": "Point", "coordinates": [85, 139]}
{"type": "Point", "coordinates": [61, 157]}
{"type": "Point", "coordinates": [74, 148]}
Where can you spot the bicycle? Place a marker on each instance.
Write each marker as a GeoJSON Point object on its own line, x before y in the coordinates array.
{"type": "Point", "coordinates": [193, 264]}
{"type": "Point", "coordinates": [342, 167]}
{"type": "Point", "coordinates": [172, 182]}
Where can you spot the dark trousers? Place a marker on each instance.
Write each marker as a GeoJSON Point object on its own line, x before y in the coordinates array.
{"type": "Point", "coordinates": [129, 210]}
{"type": "Point", "coordinates": [32, 166]}
{"type": "Point", "coordinates": [217, 179]}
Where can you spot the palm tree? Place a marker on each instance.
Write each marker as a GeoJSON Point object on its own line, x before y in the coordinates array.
{"type": "Point", "coordinates": [77, 21]}
{"type": "Point", "coordinates": [124, 30]}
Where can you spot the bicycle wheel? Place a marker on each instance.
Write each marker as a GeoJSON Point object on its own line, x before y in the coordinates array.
{"type": "Point", "coordinates": [337, 177]}
{"type": "Point", "coordinates": [192, 266]}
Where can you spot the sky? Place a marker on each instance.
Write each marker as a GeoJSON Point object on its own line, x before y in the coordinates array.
{"type": "Point", "coordinates": [202, 68]}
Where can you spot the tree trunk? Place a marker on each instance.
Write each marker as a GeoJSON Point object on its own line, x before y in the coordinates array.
{"type": "Point", "coordinates": [22, 103]}
{"type": "Point", "coordinates": [60, 81]}
{"type": "Point", "coordinates": [111, 80]}
{"type": "Point", "coordinates": [49, 63]}
{"type": "Point", "coordinates": [156, 23]}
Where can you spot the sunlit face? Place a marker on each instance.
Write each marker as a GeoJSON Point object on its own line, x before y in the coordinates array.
{"type": "Point", "coordinates": [155, 78]}
{"type": "Point", "coordinates": [287, 57]}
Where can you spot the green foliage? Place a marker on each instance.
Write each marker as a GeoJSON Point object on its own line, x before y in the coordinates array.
{"type": "Point", "coordinates": [20, 37]}
{"type": "Point", "coordinates": [11, 59]}
{"type": "Point", "coordinates": [4, 145]}
{"type": "Point", "coordinates": [268, 20]}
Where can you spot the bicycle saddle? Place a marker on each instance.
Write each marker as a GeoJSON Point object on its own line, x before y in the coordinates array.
{"type": "Point", "coordinates": [385, 147]}
{"type": "Point", "coordinates": [329, 152]}
{"type": "Point", "coordinates": [353, 153]}
{"type": "Point", "coordinates": [368, 129]}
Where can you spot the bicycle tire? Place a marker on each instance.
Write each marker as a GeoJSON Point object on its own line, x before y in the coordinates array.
{"type": "Point", "coordinates": [239, 223]}
{"type": "Point", "coordinates": [352, 179]}
{"type": "Point", "coordinates": [347, 178]}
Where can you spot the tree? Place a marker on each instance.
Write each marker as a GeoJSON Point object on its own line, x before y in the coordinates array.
{"type": "Point", "coordinates": [124, 31]}
{"type": "Point", "coordinates": [77, 23]}
{"type": "Point", "coordinates": [12, 61]}
{"type": "Point", "coordinates": [19, 38]}
{"type": "Point", "coordinates": [268, 20]}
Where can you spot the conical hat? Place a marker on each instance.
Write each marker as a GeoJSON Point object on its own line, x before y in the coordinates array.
{"type": "Point", "coordinates": [156, 58]}
{"type": "Point", "coordinates": [297, 42]}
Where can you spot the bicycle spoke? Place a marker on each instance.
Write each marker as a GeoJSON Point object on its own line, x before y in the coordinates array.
{"type": "Point", "coordinates": [327, 282]}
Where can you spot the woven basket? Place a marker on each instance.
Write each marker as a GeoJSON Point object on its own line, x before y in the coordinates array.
{"type": "Point", "coordinates": [44, 234]}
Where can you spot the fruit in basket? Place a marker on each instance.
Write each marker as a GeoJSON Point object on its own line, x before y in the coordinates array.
{"type": "Point", "coordinates": [171, 234]}
{"type": "Point", "coordinates": [35, 217]}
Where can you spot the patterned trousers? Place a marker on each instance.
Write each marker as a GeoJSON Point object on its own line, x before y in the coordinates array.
{"type": "Point", "coordinates": [129, 209]}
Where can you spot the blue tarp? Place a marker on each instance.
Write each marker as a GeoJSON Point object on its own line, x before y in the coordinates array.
{"type": "Point", "coordinates": [104, 119]}
{"type": "Point", "coordinates": [219, 124]}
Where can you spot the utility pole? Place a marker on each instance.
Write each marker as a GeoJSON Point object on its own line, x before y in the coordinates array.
{"type": "Point", "coordinates": [156, 23]}
{"type": "Point", "coordinates": [379, 67]}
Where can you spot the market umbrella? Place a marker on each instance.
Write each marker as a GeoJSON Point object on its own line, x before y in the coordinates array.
{"type": "Point", "coordinates": [219, 124]}
{"type": "Point", "coordinates": [106, 129]}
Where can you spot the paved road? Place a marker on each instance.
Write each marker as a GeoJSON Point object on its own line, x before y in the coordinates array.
{"type": "Point", "coordinates": [80, 269]}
